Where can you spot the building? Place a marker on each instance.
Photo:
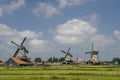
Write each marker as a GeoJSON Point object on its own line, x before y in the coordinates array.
{"type": "Point", "coordinates": [17, 62]}
{"type": "Point", "coordinates": [1, 63]}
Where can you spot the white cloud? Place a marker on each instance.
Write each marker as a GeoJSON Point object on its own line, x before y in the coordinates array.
{"type": "Point", "coordinates": [7, 31]}
{"type": "Point", "coordinates": [39, 46]}
{"type": "Point", "coordinates": [46, 9]}
{"type": "Point", "coordinates": [30, 34]}
{"type": "Point", "coordinates": [74, 31]}
{"type": "Point", "coordinates": [67, 3]}
{"type": "Point", "coordinates": [12, 6]}
{"type": "Point", "coordinates": [117, 34]}
{"type": "Point", "coordinates": [78, 31]}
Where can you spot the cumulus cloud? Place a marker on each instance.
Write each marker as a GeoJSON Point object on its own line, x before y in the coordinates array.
{"type": "Point", "coordinates": [78, 31]}
{"type": "Point", "coordinates": [74, 31]}
{"type": "Point", "coordinates": [12, 6]}
{"type": "Point", "coordinates": [46, 9]}
{"type": "Point", "coordinates": [67, 3]}
{"type": "Point", "coordinates": [39, 46]}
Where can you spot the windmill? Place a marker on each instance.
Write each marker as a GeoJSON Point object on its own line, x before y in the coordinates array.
{"type": "Point", "coordinates": [79, 59]}
{"type": "Point", "coordinates": [94, 59]}
{"type": "Point", "coordinates": [67, 58]}
{"type": "Point", "coordinates": [19, 58]}
{"type": "Point", "coordinates": [21, 51]}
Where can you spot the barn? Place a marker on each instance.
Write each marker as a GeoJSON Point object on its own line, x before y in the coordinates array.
{"type": "Point", "coordinates": [17, 62]}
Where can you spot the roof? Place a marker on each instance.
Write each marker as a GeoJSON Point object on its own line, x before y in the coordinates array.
{"type": "Point", "coordinates": [1, 63]}
{"type": "Point", "coordinates": [17, 60]}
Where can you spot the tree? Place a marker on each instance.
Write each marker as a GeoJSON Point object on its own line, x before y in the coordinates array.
{"type": "Point", "coordinates": [114, 60]}
{"type": "Point", "coordinates": [61, 59]}
{"type": "Point", "coordinates": [50, 60]}
{"type": "Point", "coordinates": [37, 59]}
{"type": "Point", "coordinates": [55, 59]}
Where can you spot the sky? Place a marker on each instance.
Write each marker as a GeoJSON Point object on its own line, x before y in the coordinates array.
{"type": "Point", "coordinates": [54, 25]}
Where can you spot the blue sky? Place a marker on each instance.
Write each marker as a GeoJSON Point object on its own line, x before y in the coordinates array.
{"type": "Point", "coordinates": [52, 25]}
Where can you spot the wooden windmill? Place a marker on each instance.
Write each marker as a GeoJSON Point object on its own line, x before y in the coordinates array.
{"type": "Point", "coordinates": [68, 56]}
{"type": "Point", "coordinates": [19, 58]}
{"type": "Point", "coordinates": [21, 51]}
{"type": "Point", "coordinates": [94, 59]}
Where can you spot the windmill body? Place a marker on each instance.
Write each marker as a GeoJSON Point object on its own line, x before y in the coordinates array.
{"type": "Point", "coordinates": [95, 58]}
{"type": "Point", "coordinates": [67, 58]}
{"type": "Point", "coordinates": [21, 54]}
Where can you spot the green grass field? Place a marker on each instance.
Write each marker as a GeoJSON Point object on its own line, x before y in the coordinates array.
{"type": "Point", "coordinates": [61, 72]}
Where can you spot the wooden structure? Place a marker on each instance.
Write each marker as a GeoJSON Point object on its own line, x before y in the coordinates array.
{"type": "Point", "coordinates": [17, 62]}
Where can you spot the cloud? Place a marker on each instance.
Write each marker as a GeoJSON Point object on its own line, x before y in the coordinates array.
{"type": "Point", "coordinates": [12, 6]}
{"type": "Point", "coordinates": [39, 46]}
{"type": "Point", "coordinates": [74, 31]}
{"type": "Point", "coordinates": [30, 34]}
{"type": "Point", "coordinates": [6, 31]}
{"type": "Point", "coordinates": [46, 9]}
{"type": "Point", "coordinates": [77, 31]}
{"type": "Point", "coordinates": [117, 34]}
{"type": "Point", "coordinates": [67, 3]}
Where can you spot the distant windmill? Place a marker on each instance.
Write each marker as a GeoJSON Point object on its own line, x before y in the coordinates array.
{"type": "Point", "coordinates": [79, 59]}
{"type": "Point", "coordinates": [21, 50]}
{"type": "Point", "coordinates": [94, 59]}
{"type": "Point", "coordinates": [68, 56]}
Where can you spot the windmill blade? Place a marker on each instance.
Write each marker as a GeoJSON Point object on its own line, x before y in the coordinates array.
{"type": "Point", "coordinates": [23, 41]}
{"type": "Point", "coordinates": [68, 49]}
{"type": "Point", "coordinates": [26, 50]}
{"type": "Point", "coordinates": [70, 54]}
{"type": "Point", "coordinates": [63, 52]}
{"type": "Point", "coordinates": [16, 53]}
{"type": "Point", "coordinates": [15, 44]}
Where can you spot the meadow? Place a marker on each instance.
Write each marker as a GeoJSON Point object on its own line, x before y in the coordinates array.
{"type": "Point", "coordinates": [61, 72]}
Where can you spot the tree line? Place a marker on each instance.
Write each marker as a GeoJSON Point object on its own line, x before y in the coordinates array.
{"type": "Point", "coordinates": [51, 59]}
